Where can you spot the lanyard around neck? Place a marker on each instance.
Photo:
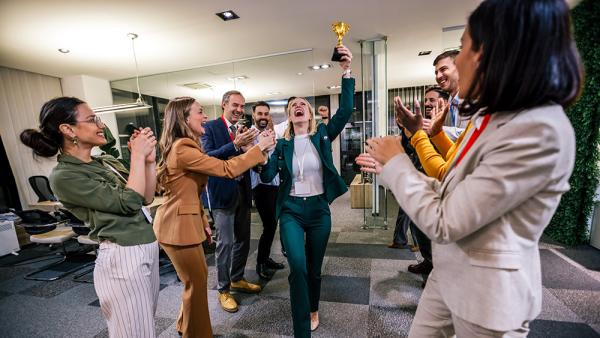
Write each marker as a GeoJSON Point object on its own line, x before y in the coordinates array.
{"type": "Point", "coordinates": [474, 137]}
{"type": "Point", "coordinates": [115, 171]}
{"type": "Point", "coordinates": [227, 127]}
{"type": "Point", "coordinates": [301, 163]}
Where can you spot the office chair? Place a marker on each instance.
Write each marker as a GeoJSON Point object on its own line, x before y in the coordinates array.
{"type": "Point", "coordinates": [45, 228]}
{"type": "Point", "coordinates": [82, 231]}
{"type": "Point", "coordinates": [41, 187]}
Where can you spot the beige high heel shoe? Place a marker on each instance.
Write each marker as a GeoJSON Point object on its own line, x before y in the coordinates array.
{"type": "Point", "coordinates": [314, 320]}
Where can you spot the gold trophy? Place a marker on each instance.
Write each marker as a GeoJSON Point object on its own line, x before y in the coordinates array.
{"type": "Point", "coordinates": [340, 29]}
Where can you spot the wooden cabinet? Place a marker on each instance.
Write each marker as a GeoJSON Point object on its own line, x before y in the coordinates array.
{"type": "Point", "coordinates": [361, 196]}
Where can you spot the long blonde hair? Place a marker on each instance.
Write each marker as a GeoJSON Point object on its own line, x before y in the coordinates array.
{"type": "Point", "coordinates": [174, 128]}
{"type": "Point", "coordinates": [312, 127]}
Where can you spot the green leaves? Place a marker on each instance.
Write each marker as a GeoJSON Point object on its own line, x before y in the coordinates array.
{"type": "Point", "coordinates": [569, 224]}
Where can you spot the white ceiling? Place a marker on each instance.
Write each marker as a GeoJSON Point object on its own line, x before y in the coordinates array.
{"type": "Point", "coordinates": [177, 35]}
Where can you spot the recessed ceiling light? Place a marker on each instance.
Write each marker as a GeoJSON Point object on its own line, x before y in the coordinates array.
{"type": "Point", "coordinates": [317, 67]}
{"type": "Point", "coordinates": [228, 15]}
{"type": "Point", "coordinates": [239, 77]}
{"type": "Point", "coordinates": [63, 50]}
{"type": "Point", "coordinates": [334, 87]}
{"type": "Point", "coordinates": [424, 52]}
{"type": "Point", "coordinates": [273, 93]}
{"type": "Point", "coordinates": [300, 73]}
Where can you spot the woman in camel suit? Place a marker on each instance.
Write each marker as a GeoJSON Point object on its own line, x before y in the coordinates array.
{"type": "Point", "coordinates": [180, 223]}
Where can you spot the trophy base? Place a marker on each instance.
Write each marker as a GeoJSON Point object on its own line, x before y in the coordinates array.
{"type": "Point", "coordinates": [337, 57]}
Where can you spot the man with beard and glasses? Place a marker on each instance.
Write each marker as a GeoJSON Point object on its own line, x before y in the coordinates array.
{"type": "Point", "coordinates": [265, 198]}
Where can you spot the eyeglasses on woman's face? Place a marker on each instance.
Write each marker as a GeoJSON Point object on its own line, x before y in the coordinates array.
{"type": "Point", "coordinates": [93, 119]}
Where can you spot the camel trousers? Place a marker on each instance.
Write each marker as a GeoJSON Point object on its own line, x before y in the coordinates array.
{"type": "Point", "coordinates": [189, 261]}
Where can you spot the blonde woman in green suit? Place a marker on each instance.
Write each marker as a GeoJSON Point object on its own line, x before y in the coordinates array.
{"type": "Point", "coordinates": [309, 183]}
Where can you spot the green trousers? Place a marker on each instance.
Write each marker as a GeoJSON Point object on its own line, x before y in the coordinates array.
{"type": "Point", "coordinates": [310, 218]}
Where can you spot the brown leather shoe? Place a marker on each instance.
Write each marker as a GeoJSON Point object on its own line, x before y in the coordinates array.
{"type": "Point", "coordinates": [227, 302]}
{"type": "Point", "coordinates": [245, 286]}
{"type": "Point", "coordinates": [396, 246]}
{"type": "Point", "coordinates": [414, 248]}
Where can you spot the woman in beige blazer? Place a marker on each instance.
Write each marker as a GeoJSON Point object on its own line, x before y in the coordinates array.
{"type": "Point", "coordinates": [518, 68]}
{"type": "Point", "coordinates": [180, 223]}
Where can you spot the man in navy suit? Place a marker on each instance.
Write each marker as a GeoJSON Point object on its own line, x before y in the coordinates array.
{"type": "Point", "coordinates": [230, 199]}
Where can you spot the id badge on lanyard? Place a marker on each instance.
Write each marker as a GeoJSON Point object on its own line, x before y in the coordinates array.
{"type": "Point", "coordinates": [145, 210]}
{"type": "Point", "coordinates": [301, 187]}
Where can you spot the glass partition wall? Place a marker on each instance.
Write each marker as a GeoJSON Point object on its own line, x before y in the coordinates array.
{"type": "Point", "coordinates": [375, 120]}
{"type": "Point", "coordinates": [273, 79]}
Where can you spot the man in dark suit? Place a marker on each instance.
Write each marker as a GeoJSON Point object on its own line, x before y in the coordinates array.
{"type": "Point", "coordinates": [230, 200]}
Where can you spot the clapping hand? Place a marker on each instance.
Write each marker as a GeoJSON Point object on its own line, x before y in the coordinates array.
{"type": "Point", "coordinates": [143, 141]}
{"type": "Point", "coordinates": [413, 122]}
{"type": "Point", "coordinates": [368, 164]}
{"type": "Point", "coordinates": [245, 136]}
{"type": "Point", "coordinates": [266, 140]}
{"type": "Point", "coordinates": [438, 116]}
{"type": "Point", "coordinates": [383, 149]}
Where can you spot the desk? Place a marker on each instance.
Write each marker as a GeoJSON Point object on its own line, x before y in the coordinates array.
{"type": "Point", "coordinates": [48, 206]}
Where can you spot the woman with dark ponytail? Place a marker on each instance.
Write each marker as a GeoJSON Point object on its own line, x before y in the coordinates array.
{"type": "Point", "coordinates": [103, 194]}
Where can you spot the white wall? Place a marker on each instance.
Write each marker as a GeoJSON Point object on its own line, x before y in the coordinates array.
{"type": "Point", "coordinates": [22, 94]}
{"type": "Point", "coordinates": [97, 93]}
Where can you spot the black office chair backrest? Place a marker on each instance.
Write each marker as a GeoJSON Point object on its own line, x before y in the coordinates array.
{"type": "Point", "coordinates": [41, 186]}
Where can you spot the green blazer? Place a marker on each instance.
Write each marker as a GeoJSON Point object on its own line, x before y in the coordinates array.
{"type": "Point", "coordinates": [280, 161]}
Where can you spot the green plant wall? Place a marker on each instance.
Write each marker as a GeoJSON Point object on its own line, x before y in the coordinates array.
{"type": "Point", "coordinates": [569, 224]}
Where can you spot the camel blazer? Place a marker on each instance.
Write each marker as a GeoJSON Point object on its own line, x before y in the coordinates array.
{"type": "Point", "coordinates": [181, 219]}
{"type": "Point", "coordinates": [486, 216]}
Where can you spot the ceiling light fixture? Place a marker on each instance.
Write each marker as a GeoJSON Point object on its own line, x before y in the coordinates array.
{"type": "Point", "coordinates": [424, 52]}
{"type": "Point", "coordinates": [227, 15]}
{"type": "Point", "coordinates": [300, 73]}
{"type": "Point", "coordinates": [273, 93]}
{"type": "Point", "coordinates": [139, 103]}
{"type": "Point", "coordinates": [63, 50]}
{"type": "Point", "coordinates": [239, 77]}
{"type": "Point", "coordinates": [334, 87]}
{"type": "Point", "coordinates": [278, 103]}
{"type": "Point", "coordinates": [319, 67]}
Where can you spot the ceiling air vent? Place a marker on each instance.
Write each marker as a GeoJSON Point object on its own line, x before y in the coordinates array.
{"type": "Point", "coordinates": [196, 85]}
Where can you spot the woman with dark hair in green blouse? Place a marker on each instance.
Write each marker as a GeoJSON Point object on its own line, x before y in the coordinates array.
{"type": "Point", "coordinates": [104, 195]}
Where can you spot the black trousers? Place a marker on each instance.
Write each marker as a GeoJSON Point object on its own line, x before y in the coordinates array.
{"type": "Point", "coordinates": [402, 223]}
{"type": "Point", "coordinates": [423, 241]}
{"type": "Point", "coordinates": [265, 197]}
